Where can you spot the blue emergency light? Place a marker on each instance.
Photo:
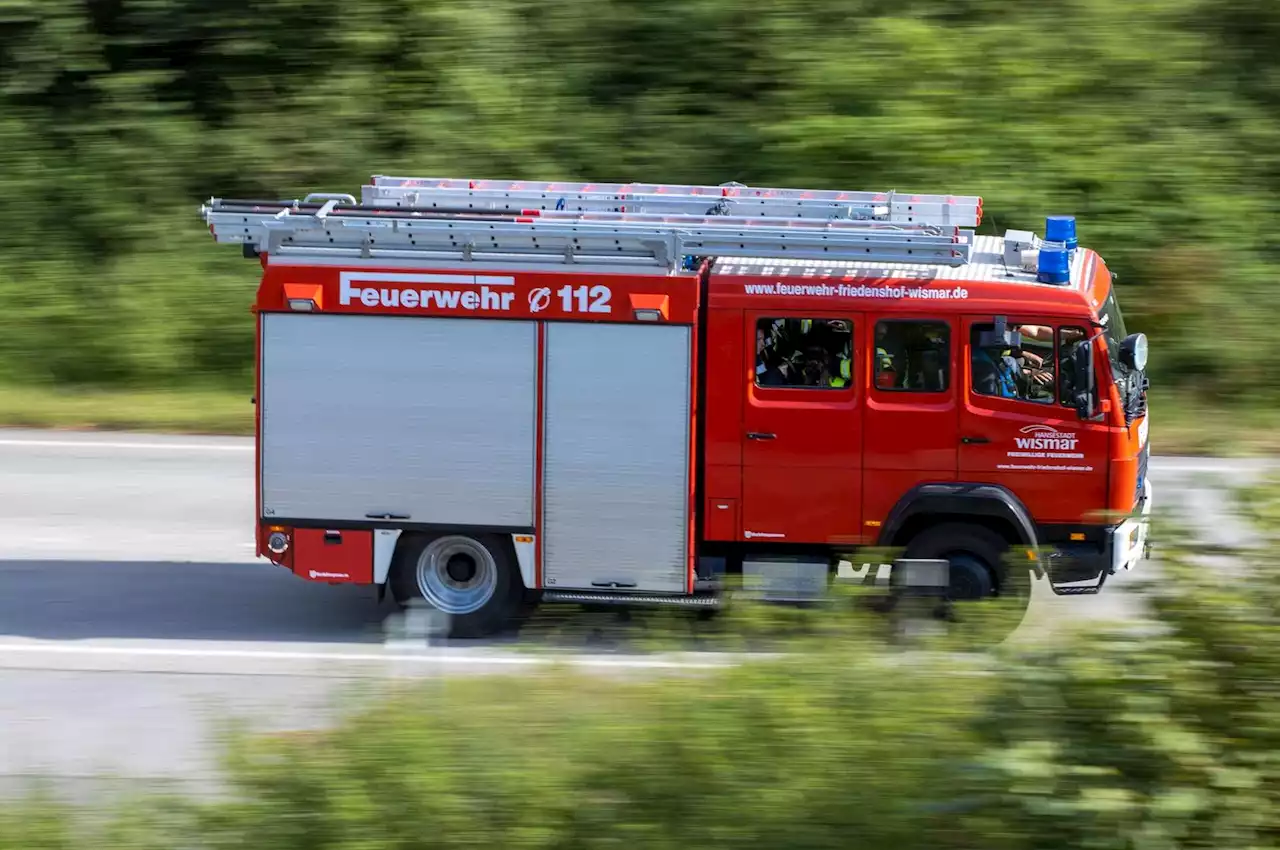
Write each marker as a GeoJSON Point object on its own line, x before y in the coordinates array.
{"type": "Point", "coordinates": [1061, 228]}
{"type": "Point", "coordinates": [1054, 265]}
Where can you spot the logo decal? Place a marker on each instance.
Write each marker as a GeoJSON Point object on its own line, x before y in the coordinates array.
{"type": "Point", "coordinates": [1046, 438]}
{"type": "Point", "coordinates": [1040, 445]}
{"type": "Point", "coordinates": [539, 299]}
{"type": "Point", "coordinates": [429, 291]}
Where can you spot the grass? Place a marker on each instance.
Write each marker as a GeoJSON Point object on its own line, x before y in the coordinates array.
{"type": "Point", "coordinates": [1182, 426]}
{"type": "Point", "coordinates": [162, 411]}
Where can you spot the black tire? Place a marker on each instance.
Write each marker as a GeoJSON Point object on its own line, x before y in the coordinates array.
{"type": "Point", "coordinates": [981, 570]}
{"type": "Point", "coordinates": [976, 555]}
{"type": "Point", "coordinates": [472, 579]}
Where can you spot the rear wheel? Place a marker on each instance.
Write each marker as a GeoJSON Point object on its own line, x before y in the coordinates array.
{"type": "Point", "coordinates": [473, 580]}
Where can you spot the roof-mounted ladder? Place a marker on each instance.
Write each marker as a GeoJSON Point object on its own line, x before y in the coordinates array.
{"type": "Point", "coordinates": [324, 226]}
{"type": "Point", "coordinates": [726, 199]}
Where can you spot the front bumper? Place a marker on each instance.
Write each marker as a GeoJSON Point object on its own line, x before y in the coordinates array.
{"type": "Point", "coordinates": [1083, 568]}
{"type": "Point", "coordinates": [1129, 541]}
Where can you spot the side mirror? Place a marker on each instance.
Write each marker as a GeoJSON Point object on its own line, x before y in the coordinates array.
{"type": "Point", "coordinates": [1086, 390]}
{"type": "Point", "coordinates": [1133, 351]}
{"type": "Point", "coordinates": [1000, 337]}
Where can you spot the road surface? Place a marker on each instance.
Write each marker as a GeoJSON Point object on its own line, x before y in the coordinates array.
{"type": "Point", "coordinates": [133, 612]}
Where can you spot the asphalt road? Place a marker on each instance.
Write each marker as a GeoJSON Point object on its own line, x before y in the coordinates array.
{"type": "Point", "coordinates": [133, 613]}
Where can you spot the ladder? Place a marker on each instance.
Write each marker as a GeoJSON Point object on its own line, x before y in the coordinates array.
{"type": "Point", "coordinates": [725, 199]}
{"type": "Point", "coordinates": [324, 226]}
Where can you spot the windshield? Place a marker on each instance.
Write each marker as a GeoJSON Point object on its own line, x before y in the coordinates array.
{"type": "Point", "coordinates": [1113, 328]}
{"type": "Point", "coordinates": [1132, 385]}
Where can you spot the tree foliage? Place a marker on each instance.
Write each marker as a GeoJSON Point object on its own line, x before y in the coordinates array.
{"type": "Point", "coordinates": [1155, 121]}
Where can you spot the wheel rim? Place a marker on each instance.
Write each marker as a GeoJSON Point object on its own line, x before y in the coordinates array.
{"type": "Point", "coordinates": [457, 575]}
{"type": "Point", "coordinates": [965, 582]}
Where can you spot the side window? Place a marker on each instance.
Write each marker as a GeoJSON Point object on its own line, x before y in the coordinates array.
{"type": "Point", "coordinates": [1069, 339]}
{"type": "Point", "coordinates": [806, 353]}
{"type": "Point", "coordinates": [913, 356]}
{"type": "Point", "coordinates": [1027, 373]}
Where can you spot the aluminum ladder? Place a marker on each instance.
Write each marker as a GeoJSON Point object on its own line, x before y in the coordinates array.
{"type": "Point", "coordinates": [726, 199]}
{"type": "Point", "coordinates": [334, 226]}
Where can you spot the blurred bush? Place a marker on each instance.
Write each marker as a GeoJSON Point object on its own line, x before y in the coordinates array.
{"type": "Point", "coordinates": [1112, 739]}
{"type": "Point", "coordinates": [1155, 121]}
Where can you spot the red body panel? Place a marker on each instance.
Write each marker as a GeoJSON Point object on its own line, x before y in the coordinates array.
{"type": "Point", "coordinates": [1055, 463]}
{"type": "Point", "coordinates": [539, 424]}
{"type": "Point", "coordinates": [802, 480]}
{"type": "Point", "coordinates": [521, 295]}
{"type": "Point", "coordinates": [524, 295]}
{"type": "Point", "coordinates": [865, 447]}
{"type": "Point", "coordinates": [333, 556]}
{"type": "Point", "coordinates": [695, 457]}
{"type": "Point", "coordinates": [1126, 442]}
{"type": "Point", "coordinates": [908, 437]}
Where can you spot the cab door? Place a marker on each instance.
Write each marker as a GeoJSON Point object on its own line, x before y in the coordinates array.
{"type": "Point", "coordinates": [801, 428]}
{"type": "Point", "coordinates": [911, 427]}
{"type": "Point", "coordinates": [1026, 436]}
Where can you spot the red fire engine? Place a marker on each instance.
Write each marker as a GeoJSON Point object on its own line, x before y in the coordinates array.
{"type": "Point", "coordinates": [486, 394]}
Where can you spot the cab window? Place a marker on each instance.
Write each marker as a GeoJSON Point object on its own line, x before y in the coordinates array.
{"type": "Point", "coordinates": [1069, 339]}
{"type": "Point", "coordinates": [913, 356]}
{"type": "Point", "coordinates": [804, 353]}
{"type": "Point", "coordinates": [1026, 374]}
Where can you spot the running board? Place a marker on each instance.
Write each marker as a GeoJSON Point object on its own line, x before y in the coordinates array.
{"type": "Point", "coordinates": [1088, 587]}
{"type": "Point", "coordinates": [586, 597]}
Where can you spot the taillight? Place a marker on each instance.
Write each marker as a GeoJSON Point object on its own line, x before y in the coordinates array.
{"type": "Point", "coordinates": [278, 541]}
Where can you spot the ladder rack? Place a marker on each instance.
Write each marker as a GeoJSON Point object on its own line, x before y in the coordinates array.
{"type": "Point", "coordinates": [323, 226]}
{"type": "Point", "coordinates": [726, 199]}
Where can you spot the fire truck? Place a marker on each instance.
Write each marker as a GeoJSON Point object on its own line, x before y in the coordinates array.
{"type": "Point", "coordinates": [482, 395]}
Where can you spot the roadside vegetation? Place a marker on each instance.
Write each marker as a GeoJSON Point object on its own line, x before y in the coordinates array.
{"type": "Point", "coordinates": [1163, 737]}
{"type": "Point", "coordinates": [1155, 122]}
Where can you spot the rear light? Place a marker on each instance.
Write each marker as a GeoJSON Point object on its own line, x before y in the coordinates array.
{"type": "Point", "coordinates": [278, 542]}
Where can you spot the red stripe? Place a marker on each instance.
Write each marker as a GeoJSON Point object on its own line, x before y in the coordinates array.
{"type": "Point", "coordinates": [691, 527]}
{"type": "Point", "coordinates": [537, 458]}
{"type": "Point", "coordinates": [257, 431]}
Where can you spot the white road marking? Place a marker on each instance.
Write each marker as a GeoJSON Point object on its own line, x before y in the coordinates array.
{"type": "Point", "coordinates": [1211, 465]}
{"type": "Point", "coordinates": [425, 655]}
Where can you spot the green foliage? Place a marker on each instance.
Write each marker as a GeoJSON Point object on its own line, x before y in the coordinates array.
{"type": "Point", "coordinates": [1154, 120]}
{"type": "Point", "coordinates": [1161, 739]}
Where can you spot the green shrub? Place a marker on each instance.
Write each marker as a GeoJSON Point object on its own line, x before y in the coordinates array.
{"type": "Point", "coordinates": [1111, 739]}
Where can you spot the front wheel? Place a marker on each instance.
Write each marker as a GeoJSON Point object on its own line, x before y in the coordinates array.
{"type": "Point", "coordinates": [980, 569]}
{"type": "Point", "coordinates": [472, 580]}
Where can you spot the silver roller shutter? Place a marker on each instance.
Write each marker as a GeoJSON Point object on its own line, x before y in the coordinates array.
{"type": "Point", "coordinates": [429, 417]}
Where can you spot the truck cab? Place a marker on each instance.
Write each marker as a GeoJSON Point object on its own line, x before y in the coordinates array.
{"type": "Point", "coordinates": [947, 413]}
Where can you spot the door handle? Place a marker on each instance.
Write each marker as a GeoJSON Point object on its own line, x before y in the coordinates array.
{"type": "Point", "coordinates": [758, 435]}
{"type": "Point", "coordinates": [972, 440]}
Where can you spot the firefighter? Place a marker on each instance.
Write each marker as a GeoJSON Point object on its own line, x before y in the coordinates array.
{"type": "Point", "coordinates": [842, 339]}
{"type": "Point", "coordinates": [888, 373]}
{"type": "Point", "coordinates": [995, 372]}
{"type": "Point", "coordinates": [771, 369]}
{"type": "Point", "coordinates": [817, 371]}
